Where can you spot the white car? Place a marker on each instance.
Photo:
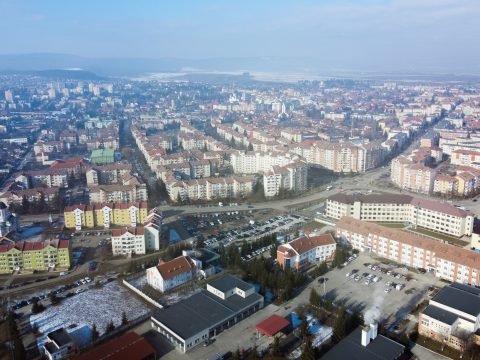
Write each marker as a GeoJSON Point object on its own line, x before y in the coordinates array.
{"type": "Point", "coordinates": [347, 274]}
{"type": "Point", "coordinates": [387, 290]}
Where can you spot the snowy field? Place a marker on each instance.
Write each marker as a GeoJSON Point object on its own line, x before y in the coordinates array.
{"type": "Point", "coordinates": [94, 306]}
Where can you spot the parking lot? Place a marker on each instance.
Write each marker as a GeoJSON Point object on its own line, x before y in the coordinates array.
{"type": "Point", "coordinates": [254, 230]}
{"type": "Point", "coordinates": [387, 293]}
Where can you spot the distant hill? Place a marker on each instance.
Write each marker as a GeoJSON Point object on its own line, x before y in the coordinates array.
{"type": "Point", "coordinates": [130, 67]}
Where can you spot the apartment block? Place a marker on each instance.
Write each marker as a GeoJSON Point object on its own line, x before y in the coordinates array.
{"type": "Point", "coordinates": [128, 241]}
{"type": "Point", "coordinates": [31, 256]}
{"type": "Point", "coordinates": [434, 215]}
{"type": "Point", "coordinates": [292, 177]}
{"type": "Point", "coordinates": [117, 193]}
{"type": "Point", "coordinates": [209, 188]}
{"type": "Point", "coordinates": [411, 176]}
{"type": "Point", "coordinates": [105, 215]}
{"type": "Point", "coordinates": [445, 261]}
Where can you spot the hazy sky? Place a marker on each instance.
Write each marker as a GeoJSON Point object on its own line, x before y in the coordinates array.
{"type": "Point", "coordinates": [347, 33]}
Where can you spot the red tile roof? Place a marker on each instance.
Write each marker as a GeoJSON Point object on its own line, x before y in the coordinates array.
{"type": "Point", "coordinates": [176, 267]}
{"type": "Point", "coordinates": [129, 346]}
{"type": "Point", "coordinates": [139, 230]}
{"type": "Point", "coordinates": [306, 243]}
{"type": "Point", "coordinates": [272, 325]}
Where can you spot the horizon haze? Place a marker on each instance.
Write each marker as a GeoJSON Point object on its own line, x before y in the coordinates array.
{"type": "Point", "coordinates": [304, 36]}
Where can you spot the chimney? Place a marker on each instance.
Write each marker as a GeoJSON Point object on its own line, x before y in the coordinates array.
{"type": "Point", "coordinates": [369, 333]}
{"type": "Point", "coordinates": [365, 336]}
{"type": "Point", "coordinates": [373, 330]}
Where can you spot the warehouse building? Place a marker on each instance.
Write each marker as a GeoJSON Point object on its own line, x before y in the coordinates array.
{"type": "Point", "coordinates": [192, 321]}
{"type": "Point", "coordinates": [452, 316]}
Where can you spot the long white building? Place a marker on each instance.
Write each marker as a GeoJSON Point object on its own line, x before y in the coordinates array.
{"type": "Point", "coordinates": [446, 261]}
{"type": "Point", "coordinates": [433, 215]}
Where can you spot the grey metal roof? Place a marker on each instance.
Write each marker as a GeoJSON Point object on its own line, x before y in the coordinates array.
{"type": "Point", "coordinates": [60, 337]}
{"type": "Point", "coordinates": [228, 282]}
{"type": "Point", "coordinates": [201, 311]}
{"type": "Point", "coordinates": [471, 289]}
{"type": "Point", "coordinates": [439, 314]}
{"type": "Point", "coordinates": [381, 348]}
{"type": "Point", "coordinates": [460, 299]}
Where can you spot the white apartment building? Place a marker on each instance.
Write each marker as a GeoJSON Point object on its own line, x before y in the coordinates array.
{"type": "Point", "coordinates": [209, 188]}
{"type": "Point", "coordinates": [306, 250]}
{"type": "Point", "coordinates": [258, 162]}
{"type": "Point", "coordinates": [465, 157]}
{"type": "Point", "coordinates": [429, 214]}
{"type": "Point", "coordinates": [168, 275]}
{"type": "Point", "coordinates": [292, 177]}
{"type": "Point", "coordinates": [128, 241]}
{"type": "Point", "coordinates": [452, 316]}
{"type": "Point", "coordinates": [117, 193]}
{"type": "Point", "coordinates": [446, 261]}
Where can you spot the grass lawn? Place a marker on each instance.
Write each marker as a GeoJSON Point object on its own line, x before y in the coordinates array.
{"type": "Point", "coordinates": [434, 234]}
{"type": "Point", "coordinates": [310, 226]}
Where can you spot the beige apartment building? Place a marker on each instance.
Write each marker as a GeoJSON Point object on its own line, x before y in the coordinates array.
{"type": "Point", "coordinates": [411, 176]}
{"type": "Point", "coordinates": [446, 261]}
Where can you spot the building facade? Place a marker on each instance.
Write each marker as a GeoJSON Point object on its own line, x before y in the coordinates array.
{"type": "Point", "coordinates": [305, 250]}
{"type": "Point", "coordinates": [169, 275]}
{"type": "Point", "coordinates": [105, 215]}
{"type": "Point", "coordinates": [446, 261]}
{"type": "Point", "coordinates": [434, 215]}
{"type": "Point", "coordinates": [452, 316]}
{"type": "Point", "coordinates": [128, 241]}
{"type": "Point", "coordinates": [34, 256]}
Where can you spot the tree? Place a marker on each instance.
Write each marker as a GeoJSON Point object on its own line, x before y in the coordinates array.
{"type": "Point", "coordinates": [110, 327]}
{"type": "Point", "coordinates": [14, 336]}
{"type": "Point", "coordinates": [314, 297]}
{"type": "Point", "coordinates": [42, 204]}
{"type": "Point", "coordinates": [237, 355]}
{"type": "Point", "coordinates": [308, 352]}
{"type": "Point", "coordinates": [303, 326]}
{"type": "Point", "coordinates": [95, 333]}
{"type": "Point", "coordinates": [254, 354]}
{"type": "Point", "coordinates": [250, 147]}
{"type": "Point", "coordinates": [339, 325]}
{"type": "Point", "coordinates": [200, 244]}
{"type": "Point", "coordinates": [276, 350]}
{"type": "Point", "coordinates": [37, 307]}
{"type": "Point", "coordinates": [25, 205]}
{"type": "Point", "coordinates": [124, 319]}
{"type": "Point", "coordinates": [54, 300]}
